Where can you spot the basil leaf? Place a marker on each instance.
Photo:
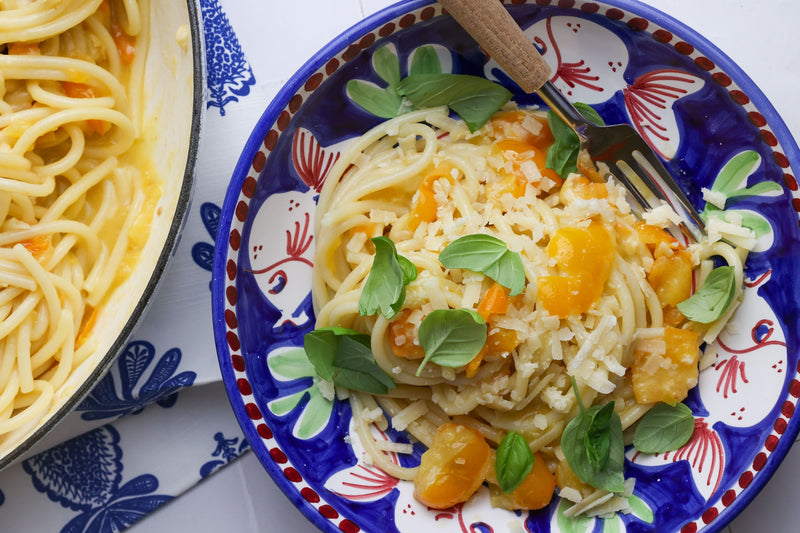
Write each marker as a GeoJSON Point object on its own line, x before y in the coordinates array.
{"type": "Point", "coordinates": [508, 271]}
{"type": "Point", "coordinates": [385, 288]}
{"type": "Point", "coordinates": [598, 435]}
{"type": "Point", "coordinates": [408, 269]}
{"type": "Point", "coordinates": [474, 99]}
{"type": "Point", "coordinates": [513, 461]}
{"type": "Point", "coordinates": [357, 369]}
{"type": "Point", "coordinates": [451, 337]}
{"type": "Point", "coordinates": [584, 442]}
{"type": "Point", "coordinates": [664, 428]}
{"type": "Point", "coordinates": [320, 346]}
{"type": "Point", "coordinates": [488, 255]}
{"type": "Point", "coordinates": [474, 252]}
{"type": "Point", "coordinates": [343, 356]}
{"type": "Point", "coordinates": [562, 156]}
{"type": "Point", "coordinates": [711, 301]}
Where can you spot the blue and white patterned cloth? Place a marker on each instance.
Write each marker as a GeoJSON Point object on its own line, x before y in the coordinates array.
{"type": "Point", "coordinates": [159, 421]}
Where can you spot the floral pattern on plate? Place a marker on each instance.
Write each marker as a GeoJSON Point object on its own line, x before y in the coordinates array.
{"type": "Point", "coordinates": [714, 129]}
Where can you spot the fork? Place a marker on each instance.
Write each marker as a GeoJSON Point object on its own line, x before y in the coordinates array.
{"type": "Point", "coordinates": [616, 150]}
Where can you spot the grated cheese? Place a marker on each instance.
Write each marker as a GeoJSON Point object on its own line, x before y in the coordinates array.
{"type": "Point", "coordinates": [715, 198]}
{"type": "Point", "coordinates": [557, 401]}
{"type": "Point", "coordinates": [662, 216]}
{"type": "Point", "coordinates": [326, 389]}
{"type": "Point", "coordinates": [532, 125]}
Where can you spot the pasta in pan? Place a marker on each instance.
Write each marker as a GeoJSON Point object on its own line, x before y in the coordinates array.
{"type": "Point", "coordinates": [76, 190]}
{"type": "Point", "coordinates": [598, 306]}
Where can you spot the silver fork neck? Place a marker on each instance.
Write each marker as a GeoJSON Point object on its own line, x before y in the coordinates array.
{"type": "Point", "coordinates": [563, 108]}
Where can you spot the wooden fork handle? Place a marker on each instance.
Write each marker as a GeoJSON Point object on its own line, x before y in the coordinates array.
{"type": "Point", "coordinates": [488, 22]}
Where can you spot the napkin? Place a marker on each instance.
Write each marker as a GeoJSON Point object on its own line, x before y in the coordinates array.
{"type": "Point", "coordinates": [159, 421]}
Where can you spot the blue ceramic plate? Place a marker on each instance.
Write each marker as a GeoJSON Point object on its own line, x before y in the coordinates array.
{"type": "Point", "coordinates": [707, 120]}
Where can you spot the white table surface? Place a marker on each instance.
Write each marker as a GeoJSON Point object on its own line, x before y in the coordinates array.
{"type": "Point", "coordinates": [761, 37]}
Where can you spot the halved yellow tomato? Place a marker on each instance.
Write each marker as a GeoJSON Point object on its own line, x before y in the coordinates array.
{"type": "Point", "coordinates": [453, 468]}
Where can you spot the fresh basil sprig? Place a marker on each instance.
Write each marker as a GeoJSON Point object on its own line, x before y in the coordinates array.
{"type": "Point", "coordinates": [474, 99]}
{"type": "Point", "coordinates": [343, 356]}
{"type": "Point", "coordinates": [513, 461]}
{"type": "Point", "coordinates": [562, 156]}
{"type": "Point", "coordinates": [451, 337]}
{"type": "Point", "coordinates": [664, 428]}
{"type": "Point", "coordinates": [385, 288]}
{"type": "Point", "coordinates": [489, 255]}
{"type": "Point", "coordinates": [593, 446]}
{"type": "Point", "coordinates": [711, 301]}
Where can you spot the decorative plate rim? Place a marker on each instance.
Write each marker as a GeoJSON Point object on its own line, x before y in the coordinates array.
{"type": "Point", "coordinates": [315, 508]}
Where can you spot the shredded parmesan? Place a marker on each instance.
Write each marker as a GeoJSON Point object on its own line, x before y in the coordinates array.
{"type": "Point", "coordinates": [326, 389]}
{"type": "Point", "coordinates": [532, 125]}
{"type": "Point", "coordinates": [715, 198]}
{"type": "Point", "coordinates": [662, 216]}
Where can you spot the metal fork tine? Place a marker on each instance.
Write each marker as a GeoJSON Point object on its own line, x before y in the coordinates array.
{"type": "Point", "coordinates": [641, 181]}
{"type": "Point", "coordinates": [631, 179]}
{"type": "Point", "coordinates": [668, 189]}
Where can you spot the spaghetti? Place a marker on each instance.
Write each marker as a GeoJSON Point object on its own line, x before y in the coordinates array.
{"type": "Point", "coordinates": [76, 189]}
{"type": "Point", "coordinates": [604, 316]}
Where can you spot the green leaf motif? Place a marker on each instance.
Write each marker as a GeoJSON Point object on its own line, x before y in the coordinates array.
{"type": "Point", "coordinates": [488, 255]}
{"type": "Point", "coordinates": [763, 188]}
{"type": "Point", "coordinates": [451, 337]}
{"type": "Point", "coordinates": [425, 60]}
{"type": "Point", "coordinates": [756, 222]}
{"type": "Point", "coordinates": [290, 364]}
{"type": "Point", "coordinates": [750, 219]}
{"type": "Point", "coordinates": [613, 525]}
{"type": "Point", "coordinates": [572, 524]}
{"type": "Point", "coordinates": [664, 428]}
{"type": "Point", "coordinates": [640, 509]}
{"type": "Point", "coordinates": [732, 182]}
{"type": "Point", "coordinates": [315, 414]}
{"type": "Point", "coordinates": [732, 179]}
{"type": "Point", "coordinates": [513, 461]}
{"type": "Point", "coordinates": [735, 172]}
{"type": "Point", "coordinates": [314, 417]}
{"type": "Point", "coordinates": [387, 66]}
{"type": "Point", "coordinates": [711, 301]}
{"type": "Point", "coordinates": [474, 99]}
{"type": "Point", "coordinates": [286, 404]}
{"type": "Point", "coordinates": [373, 99]}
